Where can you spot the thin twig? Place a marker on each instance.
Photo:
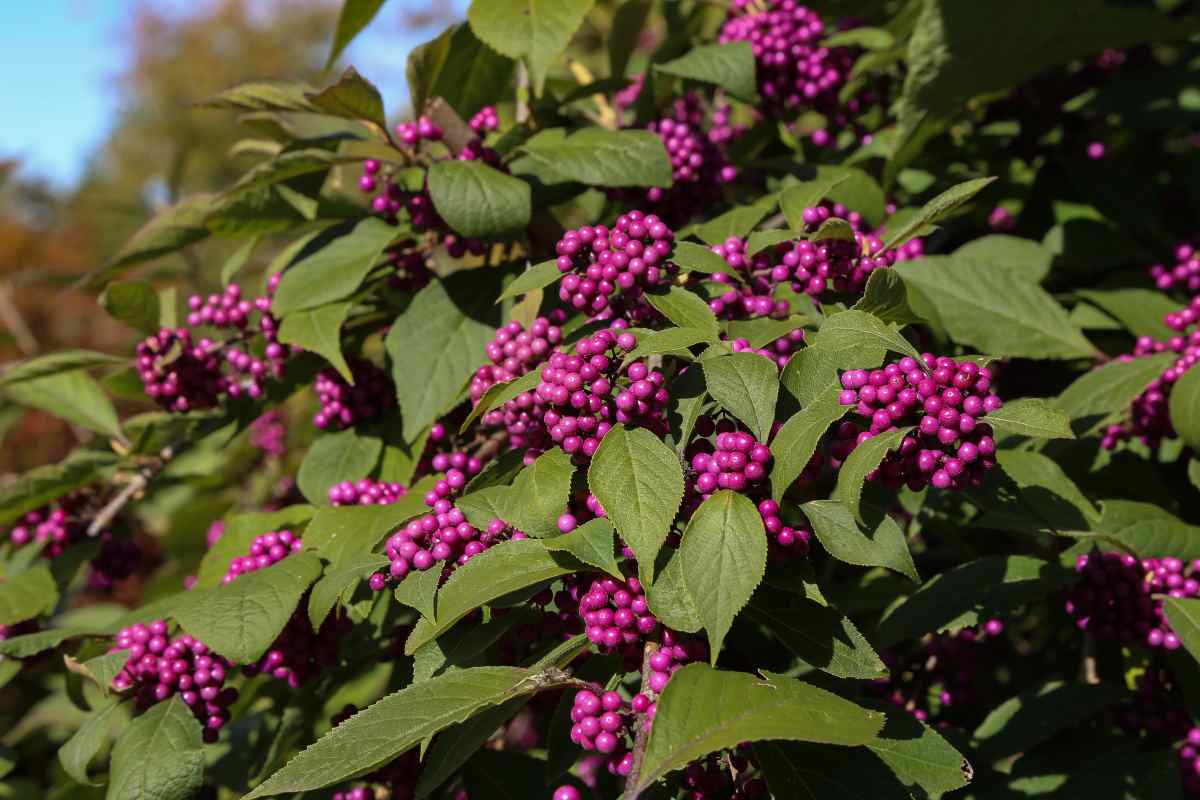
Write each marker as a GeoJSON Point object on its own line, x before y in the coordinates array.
{"type": "Point", "coordinates": [11, 316]}
{"type": "Point", "coordinates": [643, 731]}
{"type": "Point", "coordinates": [1091, 674]}
{"type": "Point", "coordinates": [136, 484]}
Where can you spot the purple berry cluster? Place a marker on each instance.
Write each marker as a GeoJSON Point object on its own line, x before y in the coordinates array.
{"type": "Point", "coordinates": [943, 400]}
{"type": "Point", "coordinates": [738, 462]}
{"type": "Point", "coordinates": [1115, 597]}
{"type": "Point", "coordinates": [795, 72]}
{"type": "Point", "coordinates": [182, 373]}
{"type": "Point", "coordinates": [268, 433]}
{"type": "Point", "coordinates": [344, 405]}
{"type": "Point", "coordinates": [779, 352]}
{"type": "Point", "coordinates": [117, 560]}
{"type": "Point", "coordinates": [514, 351]}
{"type": "Point", "coordinates": [1184, 275]}
{"type": "Point", "coordinates": [366, 492]}
{"type": "Point", "coordinates": [266, 549]}
{"type": "Point", "coordinates": [51, 526]}
{"type": "Point", "coordinates": [615, 614]}
{"type": "Point", "coordinates": [752, 297]}
{"type": "Point", "coordinates": [599, 264]}
{"type": "Point", "coordinates": [700, 168]}
{"type": "Point", "coordinates": [601, 723]}
{"type": "Point", "coordinates": [159, 668]}
{"type": "Point", "coordinates": [784, 539]}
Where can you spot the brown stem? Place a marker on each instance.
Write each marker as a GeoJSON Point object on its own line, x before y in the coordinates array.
{"type": "Point", "coordinates": [643, 730]}
{"type": "Point", "coordinates": [1090, 674]}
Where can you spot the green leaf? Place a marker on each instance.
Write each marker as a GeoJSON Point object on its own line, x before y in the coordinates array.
{"type": "Point", "coordinates": [868, 38]}
{"type": "Point", "coordinates": [639, 483]}
{"type": "Point", "coordinates": [764, 330]}
{"type": "Point", "coordinates": [171, 229]}
{"type": "Point", "coordinates": [596, 157]}
{"type": "Point", "coordinates": [886, 298]}
{"type": "Point", "coordinates": [460, 315]}
{"type": "Point", "coordinates": [335, 457]}
{"type": "Point", "coordinates": [356, 15]}
{"type": "Point", "coordinates": [1194, 472]}
{"type": "Point", "coordinates": [1185, 407]}
{"type": "Point", "coordinates": [625, 34]}
{"type": "Point", "coordinates": [73, 396]}
{"type": "Point", "coordinates": [494, 573]}
{"type": "Point", "coordinates": [865, 458]}
{"type": "Point", "coordinates": [335, 271]}
{"type": "Point", "coordinates": [847, 329]}
{"type": "Point", "coordinates": [532, 279]}
{"type": "Point", "coordinates": [56, 363]}
{"type": "Point", "coordinates": [86, 744]}
{"type": "Point", "coordinates": [338, 534]}
{"type": "Point", "coordinates": [846, 541]}
{"type": "Point", "coordinates": [27, 595]}
{"type": "Point", "coordinates": [477, 200]}
{"type": "Point", "coordinates": [318, 330]}
{"type": "Point", "coordinates": [970, 594]}
{"type": "Point", "coordinates": [593, 543]}
{"type": "Point", "coordinates": [43, 484]}
{"type": "Point", "coordinates": [918, 755]}
{"type": "Point", "coordinates": [938, 209]}
{"type": "Point", "coordinates": [30, 644]}
{"type": "Point", "coordinates": [1109, 388]}
{"type": "Point", "coordinates": [686, 309]}
{"type": "Point", "coordinates": [703, 710]}
{"type": "Point", "coordinates": [723, 557]}
{"type": "Point", "coordinates": [697, 258]}
{"type": "Point", "coordinates": [457, 744]}
{"type": "Point", "coordinates": [540, 493]}
{"type": "Point", "coordinates": [834, 228]}
{"type": "Point", "coordinates": [747, 386]}
{"type": "Point", "coordinates": [263, 96]}
{"type": "Point", "coordinates": [459, 68]}
{"type": "Point", "coordinates": [1140, 311]}
{"type": "Point", "coordinates": [761, 240]}
{"type": "Point", "coordinates": [1031, 492]}
{"type": "Point", "coordinates": [669, 599]}
{"type": "Point", "coordinates": [335, 582]}
{"type": "Point", "coordinates": [737, 222]}
{"type": "Point", "coordinates": [418, 590]}
{"type": "Point", "coordinates": [999, 312]}
{"type": "Point", "coordinates": [1026, 258]}
{"type": "Point", "coordinates": [159, 756]}
{"type": "Point", "coordinates": [238, 261]}
{"type": "Point", "coordinates": [807, 194]}
{"type": "Point", "coordinates": [814, 371]}
{"type": "Point", "coordinates": [796, 441]}
{"type": "Point", "coordinates": [484, 505]}
{"type": "Point", "coordinates": [240, 532]}
{"type": "Point", "coordinates": [353, 97]}
{"type": "Point", "coordinates": [1021, 723]}
{"type": "Point", "coordinates": [500, 393]}
{"type": "Point", "coordinates": [376, 735]}
{"type": "Point", "coordinates": [1184, 617]}
{"type": "Point", "coordinates": [102, 669]}
{"type": "Point", "coordinates": [817, 634]}
{"type": "Point", "coordinates": [135, 303]}
{"type": "Point", "coordinates": [1033, 417]}
{"type": "Point", "coordinates": [537, 31]}
{"type": "Point", "coordinates": [671, 340]}
{"type": "Point", "coordinates": [241, 619]}
{"type": "Point", "coordinates": [729, 66]}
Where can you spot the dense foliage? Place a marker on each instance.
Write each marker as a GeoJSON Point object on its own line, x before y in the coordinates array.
{"type": "Point", "coordinates": [806, 408]}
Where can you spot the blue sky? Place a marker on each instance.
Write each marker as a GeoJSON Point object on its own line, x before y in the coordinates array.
{"type": "Point", "coordinates": [60, 59]}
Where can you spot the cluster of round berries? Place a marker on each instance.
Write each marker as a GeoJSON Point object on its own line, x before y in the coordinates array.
{"type": "Point", "coordinates": [699, 166]}
{"type": "Point", "coordinates": [265, 550]}
{"type": "Point", "coordinates": [268, 433]}
{"type": "Point", "coordinates": [753, 297]}
{"type": "Point", "coordinates": [1114, 600]}
{"type": "Point", "coordinates": [795, 72]}
{"type": "Point", "coordinates": [366, 492]}
{"type": "Point", "coordinates": [779, 352]}
{"type": "Point", "coordinates": [672, 654]}
{"type": "Point", "coordinates": [455, 459]}
{"type": "Point", "coordinates": [344, 405]}
{"type": "Point", "coordinates": [423, 129]}
{"type": "Point", "coordinates": [1149, 417]}
{"type": "Point", "coordinates": [1184, 275]}
{"type": "Point", "coordinates": [159, 668]}
{"type": "Point", "coordinates": [947, 671]}
{"type": "Point", "coordinates": [601, 723]}
{"type": "Point", "coordinates": [615, 614]}
{"type": "Point", "coordinates": [51, 525]}
{"type": "Point", "coordinates": [117, 560]}
{"type": "Point", "coordinates": [485, 120]}
{"type": "Point", "coordinates": [943, 401]}
{"type": "Point", "coordinates": [599, 263]}
{"type": "Point", "coordinates": [833, 265]}
{"type": "Point", "coordinates": [182, 374]}
{"type": "Point", "coordinates": [871, 241]}
{"type": "Point", "coordinates": [785, 540]}
{"type": "Point", "coordinates": [514, 351]}
{"type": "Point", "coordinates": [738, 462]}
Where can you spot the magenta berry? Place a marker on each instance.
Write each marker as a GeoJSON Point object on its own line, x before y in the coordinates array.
{"type": "Point", "coordinates": [599, 264]}
{"type": "Point", "coordinates": [344, 405]}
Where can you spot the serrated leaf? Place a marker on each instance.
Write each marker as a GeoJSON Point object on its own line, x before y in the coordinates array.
{"type": "Point", "coordinates": [418, 590]}
{"type": "Point", "coordinates": [593, 543]}
{"type": "Point", "coordinates": [456, 745]}
{"type": "Point", "coordinates": [639, 483]}
{"type": "Point", "coordinates": [796, 441]}
{"type": "Point", "coordinates": [500, 393]}
{"type": "Point", "coordinates": [970, 594]}
{"type": "Point", "coordinates": [723, 557]}
{"type": "Point", "coordinates": [815, 370]}
{"type": "Point", "coordinates": [737, 222]}
{"type": "Point", "coordinates": [102, 669]}
{"type": "Point", "coordinates": [761, 240]}
{"type": "Point", "coordinates": [539, 494]}
{"type": "Point", "coordinates": [1025, 257]}
{"type": "Point", "coordinates": [535, 277]}
{"type": "Point", "coordinates": [686, 310]}
{"type": "Point", "coordinates": [318, 330]}
{"type": "Point", "coordinates": [134, 302]}
{"type": "Point", "coordinates": [1033, 417]}
{"type": "Point", "coordinates": [687, 399]}
{"type": "Point", "coordinates": [86, 744]}
{"type": "Point", "coordinates": [669, 599]}
{"type": "Point", "coordinates": [73, 396]}
{"type": "Point", "coordinates": [747, 386]}
{"type": "Point", "coordinates": [671, 340]}
{"type": "Point", "coordinates": [494, 573]}
{"type": "Point", "coordinates": [1030, 492]}
{"type": "Point", "coordinates": [238, 261]}
{"type": "Point", "coordinates": [353, 97]}
{"type": "Point", "coordinates": [847, 329]}
{"type": "Point", "coordinates": [845, 540]}
{"type": "Point", "coordinates": [938, 209]}
{"type": "Point", "coordinates": [263, 96]}
{"type": "Point", "coordinates": [30, 644]}
{"type": "Point", "coordinates": [996, 311]}
{"type": "Point", "coordinates": [807, 194]}
{"type": "Point", "coordinates": [1185, 407]}
{"type": "Point", "coordinates": [886, 298]}
{"type": "Point", "coordinates": [596, 157]}
{"type": "Point", "coordinates": [341, 533]}
{"type": "Point", "coordinates": [1140, 311]}
{"type": "Point", "coordinates": [537, 31]}
{"type": "Point", "coordinates": [460, 69]}
{"type": "Point", "coordinates": [1021, 723]}
{"type": "Point", "coordinates": [355, 15]}
{"type": "Point", "coordinates": [764, 330]}
{"type": "Point", "coordinates": [56, 363]}
{"type": "Point", "coordinates": [169, 230]}
{"type": "Point", "coordinates": [27, 595]}
{"type": "Point", "coordinates": [729, 66]}
{"type": "Point", "coordinates": [697, 258]}
{"type": "Point", "coordinates": [477, 200]}
{"type": "Point", "coordinates": [241, 619]}
{"type": "Point", "coordinates": [1184, 617]}
{"type": "Point", "coordinates": [396, 723]}
{"type": "Point", "coordinates": [703, 710]}
{"type": "Point", "coordinates": [325, 592]}
{"type": "Point", "coordinates": [335, 457]}
{"type": "Point", "coordinates": [159, 756]}
{"type": "Point", "coordinates": [865, 458]}
{"type": "Point", "coordinates": [834, 228]}
{"type": "Point", "coordinates": [333, 271]}
{"type": "Point", "coordinates": [817, 634]}
{"type": "Point", "coordinates": [1109, 388]}
{"type": "Point", "coordinates": [484, 505]}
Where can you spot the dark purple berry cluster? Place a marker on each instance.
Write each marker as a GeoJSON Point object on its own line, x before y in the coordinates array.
{"type": "Point", "coordinates": [700, 168]}
{"type": "Point", "coordinates": [266, 549]}
{"type": "Point", "coordinates": [514, 351]}
{"type": "Point", "coordinates": [942, 400]}
{"type": "Point", "coordinates": [1183, 275]}
{"type": "Point", "coordinates": [344, 405]}
{"type": "Point", "coordinates": [601, 723]}
{"type": "Point", "coordinates": [616, 616]}
{"type": "Point", "coordinates": [366, 492]}
{"type": "Point", "coordinates": [738, 462]}
{"type": "Point", "coordinates": [599, 264]}
{"type": "Point", "coordinates": [159, 668]}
